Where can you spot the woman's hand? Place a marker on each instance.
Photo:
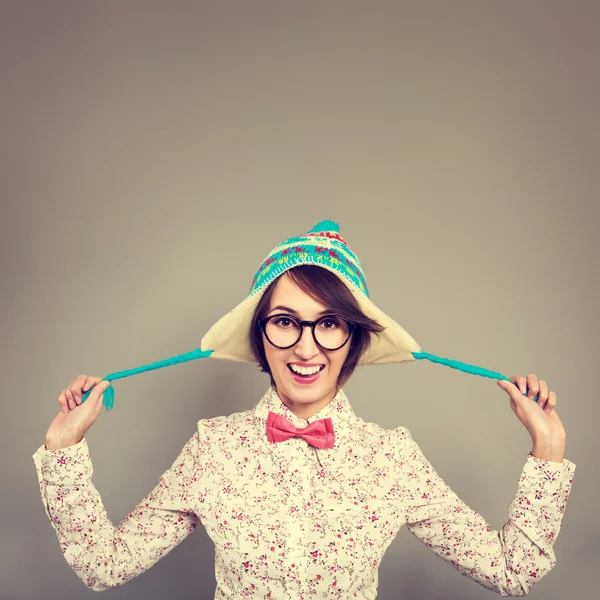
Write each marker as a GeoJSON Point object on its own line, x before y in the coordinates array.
{"type": "Point", "coordinates": [74, 419]}
{"type": "Point", "coordinates": [539, 418]}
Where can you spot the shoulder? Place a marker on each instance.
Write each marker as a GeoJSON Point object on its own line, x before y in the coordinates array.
{"type": "Point", "coordinates": [374, 433]}
{"type": "Point", "coordinates": [226, 426]}
{"type": "Point", "coordinates": [375, 429]}
{"type": "Point", "coordinates": [384, 447]}
{"type": "Point", "coordinates": [401, 433]}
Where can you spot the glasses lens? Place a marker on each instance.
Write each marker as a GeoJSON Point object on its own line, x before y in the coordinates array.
{"type": "Point", "coordinates": [283, 331]}
{"type": "Point", "coordinates": [332, 332]}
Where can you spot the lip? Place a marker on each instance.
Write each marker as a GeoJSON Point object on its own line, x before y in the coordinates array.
{"type": "Point", "coordinates": [305, 380]}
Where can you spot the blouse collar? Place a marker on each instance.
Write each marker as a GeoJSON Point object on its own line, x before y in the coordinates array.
{"type": "Point", "coordinates": [339, 410]}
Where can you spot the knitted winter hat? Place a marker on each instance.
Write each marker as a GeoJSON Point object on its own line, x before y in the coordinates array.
{"type": "Point", "coordinates": [229, 337]}
{"type": "Point", "coordinates": [322, 246]}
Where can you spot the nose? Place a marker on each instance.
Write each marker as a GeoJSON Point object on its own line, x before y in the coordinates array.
{"type": "Point", "coordinates": [306, 348]}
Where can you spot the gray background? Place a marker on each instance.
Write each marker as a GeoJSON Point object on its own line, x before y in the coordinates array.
{"type": "Point", "coordinates": [152, 153]}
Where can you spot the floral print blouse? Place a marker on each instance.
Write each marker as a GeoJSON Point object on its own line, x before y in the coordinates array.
{"type": "Point", "coordinates": [289, 520]}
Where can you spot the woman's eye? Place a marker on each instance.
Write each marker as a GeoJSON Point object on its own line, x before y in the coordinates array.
{"type": "Point", "coordinates": [329, 323]}
{"type": "Point", "coordinates": [283, 322]}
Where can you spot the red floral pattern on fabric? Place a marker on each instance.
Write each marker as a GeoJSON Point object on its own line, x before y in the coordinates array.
{"type": "Point", "coordinates": [290, 520]}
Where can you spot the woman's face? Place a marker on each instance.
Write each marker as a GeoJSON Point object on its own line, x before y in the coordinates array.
{"type": "Point", "coordinates": [303, 397]}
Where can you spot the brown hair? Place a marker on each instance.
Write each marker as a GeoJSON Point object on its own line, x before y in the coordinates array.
{"type": "Point", "coordinates": [325, 287]}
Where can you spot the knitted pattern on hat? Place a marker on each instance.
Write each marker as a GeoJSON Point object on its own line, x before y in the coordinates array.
{"type": "Point", "coordinates": [322, 246]}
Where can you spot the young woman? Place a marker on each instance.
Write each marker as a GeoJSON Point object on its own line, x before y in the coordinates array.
{"type": "Point", "coordinates": [300, 495]}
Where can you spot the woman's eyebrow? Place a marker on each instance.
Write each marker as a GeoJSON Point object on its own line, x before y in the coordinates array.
{"type": "Point", "coordinates": [295, 312]}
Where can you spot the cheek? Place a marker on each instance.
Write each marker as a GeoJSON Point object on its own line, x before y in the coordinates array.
{"type": "Point", "coordinates": [272, 355]}
{"type": "Point", "coordinates": [338, 361]}
{"type": "Point", "coordinates": [269, 357]}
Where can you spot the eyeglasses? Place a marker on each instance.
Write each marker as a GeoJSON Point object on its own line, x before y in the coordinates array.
{"type": "Point", "coordinates": [284, 331]}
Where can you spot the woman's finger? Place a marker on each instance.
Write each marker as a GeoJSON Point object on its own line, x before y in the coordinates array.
{"type": "Point", "coordinates": [543, 395]}
{"type": "Point", "coordinates": [97, 395]}
{"type": "Point", "coordinates": [90, 382]}
{"type": "Point", "coordinates": [73, 392]}
{"type": "Point", "coordinates": [551, 403]}
{"type": "Point", "coordinates": [62, 400]}
{"type": "Point", "coordinates": [512, 390]}
{"type": "Point", "coordinates": [78, 387]}
{"type": "Point", "coordinates": [520, 382]}
{"type": "Point", "coordinates": [69, 395]}
{"type": "Point", "coordinates": [533, 386]}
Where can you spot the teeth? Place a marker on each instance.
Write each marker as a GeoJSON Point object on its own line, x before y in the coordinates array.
{"type": "Point", "coordinates": [305, 370]}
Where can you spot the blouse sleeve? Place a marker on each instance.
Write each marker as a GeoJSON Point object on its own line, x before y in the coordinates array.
{"type": "Point", "coordinates": [508, 562]}
{"type": "Point", "coordinates": [103, 555]}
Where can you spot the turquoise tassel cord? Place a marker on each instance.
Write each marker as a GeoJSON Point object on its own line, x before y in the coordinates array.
{"type": "Point", "coordinates": [455, 364]}
{"type": "Point", "coordinates": [109, 394]}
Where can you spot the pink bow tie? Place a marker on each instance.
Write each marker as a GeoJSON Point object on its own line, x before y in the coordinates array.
{"type": "Point", "coordinates": [319, 433]}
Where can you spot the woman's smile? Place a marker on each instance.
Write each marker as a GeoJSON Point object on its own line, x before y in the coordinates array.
{"type": "Point", "coordinates": [305, 374]}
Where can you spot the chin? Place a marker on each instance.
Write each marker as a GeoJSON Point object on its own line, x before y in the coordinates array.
{"type": "Point", "coordinates": [305, 396]}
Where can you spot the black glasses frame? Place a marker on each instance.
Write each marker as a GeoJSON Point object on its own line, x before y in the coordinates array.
{"type": "Point", "coordinates": [312, 324]}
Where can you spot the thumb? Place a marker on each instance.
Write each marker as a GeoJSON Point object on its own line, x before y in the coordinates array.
{"type": "Point", "coordinates": [96, 394]}
{"type": "Point", "coordinates": [511, 389]}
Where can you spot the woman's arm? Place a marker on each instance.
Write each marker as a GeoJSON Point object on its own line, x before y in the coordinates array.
{"type": "Point", "coordinates": [103, 555]}
{"type": "Point", "coordinates": [509, 561]}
